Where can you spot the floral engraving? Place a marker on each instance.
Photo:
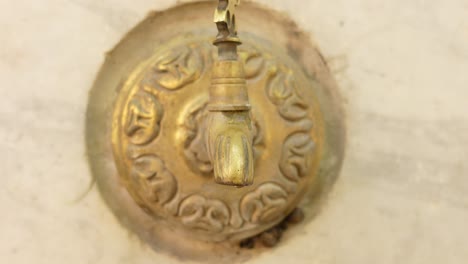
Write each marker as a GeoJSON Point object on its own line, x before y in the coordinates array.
{"type": "Point", "coordinates": [157, 183]}
{"type": "Point", "coordinates": [253, 60]}
{"type": "Point", "coordinates": [265, 204]}
{"type": "Point", "coordinates": [204, 214]}
{"type": "Point", "coordinates": [295, 158]}
{"type": "Point", "coordinates": [281, 90]}
{"type": "Point", "coordinates": [144, 114]}
{"type": "Point", "coordinates": [176, 68]}
{"type": "Point", "coordinates": [194, 145]}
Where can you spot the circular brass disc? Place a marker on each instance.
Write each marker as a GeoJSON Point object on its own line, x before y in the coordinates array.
{"type": "Point", "coordinates": [146, 122]}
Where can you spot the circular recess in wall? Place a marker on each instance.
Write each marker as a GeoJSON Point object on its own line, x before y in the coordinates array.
{"type": "Point", "coordinates": [145, 142]}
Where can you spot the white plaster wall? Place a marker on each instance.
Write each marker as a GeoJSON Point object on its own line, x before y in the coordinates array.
{"type": "Point", "coordinates": [402, 67]}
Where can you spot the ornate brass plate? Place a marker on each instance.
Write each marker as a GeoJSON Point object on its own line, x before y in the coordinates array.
{"type": "Point", "coordinates": [146, 120]}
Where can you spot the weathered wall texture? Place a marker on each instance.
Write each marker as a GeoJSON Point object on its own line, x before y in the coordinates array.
{"type": "Point", "coordinates": [402, 67]}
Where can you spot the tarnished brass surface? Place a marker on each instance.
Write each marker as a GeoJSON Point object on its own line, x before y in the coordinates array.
{"type": "Point", "coordinates": [225, 19]}
{"type": "Point", "coordinates": [156, 145]}
{"type": "Point", "coordinates": [151, 121]}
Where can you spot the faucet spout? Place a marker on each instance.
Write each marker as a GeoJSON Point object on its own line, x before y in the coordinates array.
{"type": "Point", "coordinates": [230, 147]}
{"type": "Point", "coordinates": [229, 136]}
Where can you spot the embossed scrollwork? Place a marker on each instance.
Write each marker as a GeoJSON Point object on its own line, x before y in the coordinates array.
{"type": "Point", "coordinates": [157, 183]}
{"type": "Point", "coordinates": [264, 204]}
{"type": "Point", "coordinates": [176, 68]}
{"type": "Point", "coordinates": [163, 192]}
{"type": "Point", "coordinates": [298, 146]}
{"type": "Point", "coordinates": [253, 60]}
{"type": "Point", "coordinates": [281, 90]}
{"type": "Point", "coordinates": [144, 114]}
{"type": "Point", "coordinates": [194, 145]}
{"type": "Point", "coordinates": [295, 158]}
{"type": "Point", "coordinates": [204, 214]}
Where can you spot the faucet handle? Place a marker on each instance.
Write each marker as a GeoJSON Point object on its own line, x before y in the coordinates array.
{"type": "Point", "coordinates": [225, 19]}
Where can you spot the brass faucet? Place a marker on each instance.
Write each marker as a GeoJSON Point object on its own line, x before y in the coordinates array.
{"type": "Point", "coordinates": [229, 128]}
